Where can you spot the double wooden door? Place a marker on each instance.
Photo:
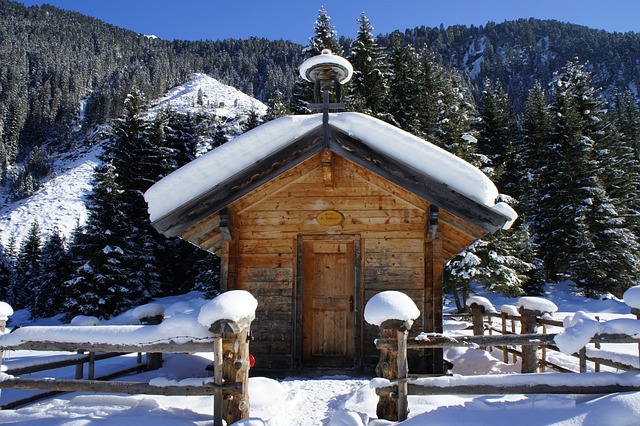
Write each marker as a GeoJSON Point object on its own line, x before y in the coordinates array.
{"type": "Point", "coordinates": [329, 301]}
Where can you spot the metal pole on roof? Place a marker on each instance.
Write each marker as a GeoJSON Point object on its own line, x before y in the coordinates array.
{"type": "Point", "coordinates": [327, 72]}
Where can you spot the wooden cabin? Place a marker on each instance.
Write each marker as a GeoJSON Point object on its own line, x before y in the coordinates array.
{"type": "Point", "coordinates": [314, 217]}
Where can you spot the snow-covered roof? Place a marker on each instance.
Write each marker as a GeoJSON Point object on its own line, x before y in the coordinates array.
{"type": "Point", "coordinates": [221, 164]}
{"type": "Point", "coordinates": [211, 182]}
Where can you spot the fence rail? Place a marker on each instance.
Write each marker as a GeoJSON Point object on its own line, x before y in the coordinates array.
{"type": "Point", "coordinates": [229, 344]}
{"type": "Point", "coordinates": [393, 345]}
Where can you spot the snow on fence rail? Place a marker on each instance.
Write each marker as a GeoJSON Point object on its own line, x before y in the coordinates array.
{"type": "Point", "coordinates": [222, 327]}
{"type": "Point", "coordinates": [395, 384]}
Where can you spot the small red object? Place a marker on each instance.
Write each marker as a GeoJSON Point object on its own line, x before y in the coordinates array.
{"type": "Point", "coordinates": [252, 361]}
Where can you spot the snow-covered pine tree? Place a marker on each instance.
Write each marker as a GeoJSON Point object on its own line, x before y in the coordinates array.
{"type": "Point", "coordinates": [533, 140]}
{"type": "Point", "coordinates": [26, 272]}
{"type": "Point", "coordinates": [276, 107]}
{"type": "Point", "coordinates": [253, 120]}
{"type": "Point", "coordinates": [509, 255]}
{"type": "Point", "coordinates": [6, 268]}
{"type": "Point", "coordinates": [495, 262]}
{"type": "Point", "coordinates": [402, 105]}
{"type": "Point", "coordinates": [138, 162]}
{"type": "Point", "coordinates": [177, 260]}
{"type": "Point", "coordinates": [622, 177]}
{"type": "Point", "coordinates": [368, 86]}
{"type": "Point", "coordinates": [496, 136]}
{"type": "Point", "coordinates": [208, 278]}
{"type": "Point", "coordinates": [434, 94]}
{"type": "Point", "coordinates": [55, 269]}
{"type": "Point", "coordinates": [325, 37]}
{"type": "Point", "coordinates": [593, 242]}
{"type": "Point", "coordinates": [612, 261]}
{"type": "Point", "coordinates": [99, 285]}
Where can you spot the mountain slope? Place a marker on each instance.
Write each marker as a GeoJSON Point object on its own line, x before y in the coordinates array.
{"type": "Point", "coordinates": [60, 203]}
{"type": "Point", "coordinates": [519, 53]}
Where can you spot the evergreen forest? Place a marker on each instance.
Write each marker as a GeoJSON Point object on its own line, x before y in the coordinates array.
{"type": "Point", "coordinates": [548, 110]}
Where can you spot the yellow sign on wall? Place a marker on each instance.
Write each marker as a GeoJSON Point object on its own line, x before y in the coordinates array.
{"type": "Point", "coordinates": [330, 218]}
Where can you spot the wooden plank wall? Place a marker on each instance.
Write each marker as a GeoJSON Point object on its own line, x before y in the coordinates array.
{"type": "Point", "coordinates": [267, 222]}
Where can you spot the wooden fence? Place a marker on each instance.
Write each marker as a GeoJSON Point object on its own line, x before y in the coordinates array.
{"type": "Point", "coordinates": [392, 366]}
{"type": "Point", "coordinates": [229, 385]}
{"type": "Point", "coordinates": [535, 358]}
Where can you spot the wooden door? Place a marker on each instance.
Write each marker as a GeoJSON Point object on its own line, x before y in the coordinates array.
{"type": "Point", "coordinates": [328, 305]}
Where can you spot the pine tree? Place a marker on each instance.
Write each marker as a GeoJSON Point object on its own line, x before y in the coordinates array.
{"type": "Point", "coordinates": [176, 260]}
{"type": "Point", "coordinates": [138, 164]}
{"type": "Point", "coordinates": [276, 107]}
{"type": "Point", "coordinates": [496, 136]}
{"type": "Point", "coordinates": [403, 86]}
{"type": "Point", "coordinates": [434, 95]}
{"type": "Point", "coordinates": [100, 282]}
{"type": "Point", "coordinates": [6, 269]}
{"type": "Point", "coordinates": [26, 274]}
{"type": "Point", "coordinates": [47, 299]}
{"type": "Point", "coordinates": [581, 230]}
{"type": "Point", "coordinates": [253, 121]}
{"type": "Point", "coordinates": [368, 85]}
{"type": "Point", "coordinates": [509, 255]}
{"type": "Point", "coordinates": [622, 175]}
{"type": "Point", "coordinates": [325, 37]}
{"type": "Point", "coordinates": [208, 278]}
{"type": "Point", "coordinates": [532, 163]}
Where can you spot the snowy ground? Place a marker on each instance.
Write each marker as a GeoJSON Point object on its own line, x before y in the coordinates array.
{"type": "Point", "coordinates": [328, 400]}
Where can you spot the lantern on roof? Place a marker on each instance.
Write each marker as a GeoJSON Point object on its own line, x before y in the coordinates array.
{"type": "Point", "coordinates": [327, 72]}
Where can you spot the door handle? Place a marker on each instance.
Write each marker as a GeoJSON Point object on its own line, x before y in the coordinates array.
{"type": "Point", "coordinates": [351, 303]}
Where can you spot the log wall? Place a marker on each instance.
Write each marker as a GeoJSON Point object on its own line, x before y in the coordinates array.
{"type": "Point", "coordinates": [266, 225]}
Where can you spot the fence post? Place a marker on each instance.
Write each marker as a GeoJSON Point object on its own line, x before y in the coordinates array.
{"type": "Point", "coordinates": [154, 360]}
{"type": "Point", "coordinates": [393, 366]}
{"type": "Point", "coordinates": [3, 327]}
{"type": "Point", "coordinates": [231, 365]}
{"type": "Point", "coordinates": [218, 380]}
{"type": "Point", "coordinates": [80, 367]}
{"type": "Point", "coordinates": [92, 366]}
{"type": "Point", "coordinates": [477, 317]}
{"type": "Point", "coordinates": [529, 352]}
{"type": "Point", "coordinates": [636, 312]}
{"type": "Point", "coordinates": [505, 351]}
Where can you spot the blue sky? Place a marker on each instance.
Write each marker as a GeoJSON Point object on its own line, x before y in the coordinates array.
{"type": "Point", "coordinates": [293, 20]}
